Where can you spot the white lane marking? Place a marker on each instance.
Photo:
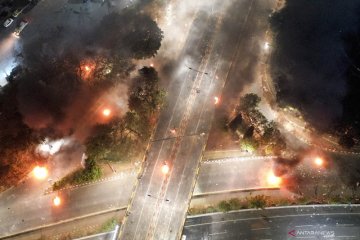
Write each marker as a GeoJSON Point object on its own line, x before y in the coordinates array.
{"type": "Point", "coordinates": [304, 226]}
{"type": "Point", "coordinates": [171, 119]}
{"type": "Point", "coordinates": [257, 229]}
{"type": "Point", "coordinates": [174, 148]}
{"type": "Point", "coordinates": [238, 159]}
{"type": "Point", "coordinates": [160, 150]}
{"type": "Point", "coordinates": [202, 109]}
{"type": "Point", "coordinates": [198, 78]}
{"type": "Point", "coordinates": [219, 233]}
{"type": "Point", "coordinates": [257, 218]}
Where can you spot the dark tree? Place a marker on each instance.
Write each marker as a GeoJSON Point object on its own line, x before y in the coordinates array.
{"type": "Point", "coordinates": [17, 140]}
{"type": "Point", "coordinates": [346, 141]}
{"type": "Point", "coordinates": [249, 101]}
{"type": "Point", "coordinates": [145, 94]}
{"type": "Point", "coordinates": [130, 34]}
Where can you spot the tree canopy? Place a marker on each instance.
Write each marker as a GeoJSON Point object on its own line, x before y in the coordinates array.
{"type": "Point", "coordinates": [130, 34]}
{"type": "Point", "coordinates": [249, 101]}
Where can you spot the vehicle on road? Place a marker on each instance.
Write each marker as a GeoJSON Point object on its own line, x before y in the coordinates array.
{"type": "Point", "coordinates": [21, 27]}
{"type": "Point", "coordinates": [17, 12]}
{"type": "Point", "coordinates": [8, 22]}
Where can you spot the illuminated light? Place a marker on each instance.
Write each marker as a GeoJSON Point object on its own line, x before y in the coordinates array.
{"type": "Point", "coordinates": [273, 180]}
{"type": "Point", "coordinates": [216, 100]}
{"type": "Point", "coordinates": [57, 201]}
{"type": "Point", "coordinates": [40, 172]}
{"type": "Point", "coordinates": [319, 161]}
{"type": "Point", "coordinates": [288, 126]}
{"type": "Point", "coordinates": [266, 45]}
{"type": "Point", "coordinates": [151, 65]}
{"type": "Point", "coordinates": [87, 68]}
{"type": "Point", "coordinates": [173, 131]}
{"type": "Point", "coordinates": [106, 112]}
{"type": "Point", "coordinates": [165, 169]}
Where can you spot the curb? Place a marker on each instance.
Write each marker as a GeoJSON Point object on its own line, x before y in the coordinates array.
{"type": "Point", "coordinates": [64, 221]}
{"type": "Point", "coordinates": [199, 195]}
{"type": "Point", "coordinates": [273, 208]}
{"type": "Point", "coordinates": [234, 159]}
{"type": "Point", "coordinates": [105, 179]}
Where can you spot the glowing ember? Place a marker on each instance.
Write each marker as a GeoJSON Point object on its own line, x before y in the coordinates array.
{"type": "Point", "coordinates": [40, 172]}
{"type": "Point", "coordinates": [87, 68]}
{"type": "Point", "coordinates": [165, 169]}
{"type": "Point", "coordinates": [106, 112]}
{"type": "Point", "coordinates": [57, 201]}
{"type": "Point", "coordinates": [151, 65]}
{"type": "Point", "coordinates": [173, 131]}
{"type": "Point", "coordinates": [216, 100]}
{"type": "Point", "coordinates": [319, 161]}
{"type": "Point", "coordinates": [273, 180]}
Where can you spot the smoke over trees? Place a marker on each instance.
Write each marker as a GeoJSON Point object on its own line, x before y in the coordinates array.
{"type": "Point", "coordinates": [60, 78]}
{"type": "Point", "coordinates": [314, 62]}
{"type": "Point", "coordinates": [132, 35]}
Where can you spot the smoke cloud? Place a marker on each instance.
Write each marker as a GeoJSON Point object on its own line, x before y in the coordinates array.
{"type": "Point", "coordinates": [309, 61]}
{"type": "Point", "coordinates": [54, 93]}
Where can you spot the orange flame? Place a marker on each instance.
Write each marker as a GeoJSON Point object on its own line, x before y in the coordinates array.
{"type": "Point", "coordinates": [57, 201]}
{"type": "Point", "coordinates": [106, 112]}
{"type": "Point", "coordinates": [273, 180]}
{"type": "Point", "coordinates": [40, 172]}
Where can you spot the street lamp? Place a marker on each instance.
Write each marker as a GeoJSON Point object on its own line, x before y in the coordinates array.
{"type": "Point", "coordinates": [165, 168]}
{"type": "Point", "coordinates": [266, 45]}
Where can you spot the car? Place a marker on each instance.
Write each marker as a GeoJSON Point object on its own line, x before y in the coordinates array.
{"type": "Point", "coordinates": [21, 27]}
{"type": "Point", "coordinates": [8, 22]}
{"type": "Point", "coordinates": [17, 12]}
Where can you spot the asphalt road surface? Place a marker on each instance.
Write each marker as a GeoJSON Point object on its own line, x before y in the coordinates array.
{"type": "Point", "coordinates": [233, 173]}
{"type": "Point", "coordinates": [18, 213]}
{"type": "Point", "coordinates": [306, 222]}
{"type": "Point", "coordinates": [160, 201]}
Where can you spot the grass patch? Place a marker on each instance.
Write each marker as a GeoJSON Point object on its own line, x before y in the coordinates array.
{"type": "Point", "coordinates": [90, 173]}
{"type": "Point", "coordinates": [259, 201]}
{"type": "Point", "coordinates": [109, 225]}
{"type": "Point", "coordinates": [262, 201]}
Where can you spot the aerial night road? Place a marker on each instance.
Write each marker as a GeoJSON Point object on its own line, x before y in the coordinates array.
{"type": "Point", "coordinates": [160, 200]}
{"type": "Point", "coordinates": [302, 222]}
{"type": "Point", "coordinates": [122, 119]}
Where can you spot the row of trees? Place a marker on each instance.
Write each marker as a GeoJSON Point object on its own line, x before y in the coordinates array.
{"type": "Point", "coordinates": [123, 138]}
{"type": "Point", "coordinates": [120, 139]}
{"type": "Point", "coordinates": [43, 91]}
